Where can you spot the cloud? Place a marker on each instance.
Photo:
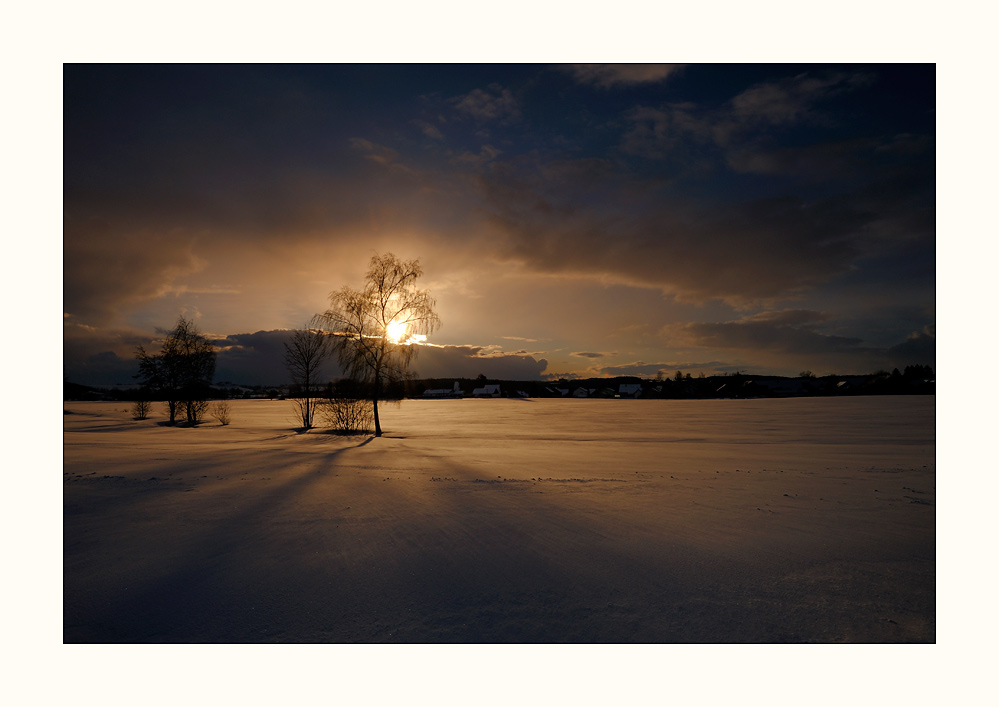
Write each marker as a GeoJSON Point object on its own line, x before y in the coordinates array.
{"type": "Point", "coordinates": [837, 159]}
{"type": "Point", "coordinates": [487, 154]}
{"type": "Point", "coordinates": [591, 354]}
{"type": "Point", "coordinates": [429, 130]}
{"type": "Point", "coordinates": [786, 317]}
{"type": "Point", "coordinates": [667, 129]}
{"type": "Point", "coordinates": [100, 356]}
{"type": "Point", "coordinates": [374, 152]}
{"type": "Point", "coordinates": [744, 252]}
{"type": "Point", "coordinates": [258, 359]}
{"type": "Point", "coordinates": [617, 75]}
{"type": "Point", "coordinates": [791, 99]}
{"type": "Point", "coordinates": [919, 349]}
{"type": "Point", "coordinates": [110, 265]}
{"type": "Point", "coordinates": [642, 369]}
{"type": "Point", "coordinates": [787, 332]}
{"type": "Point", "coordinates": [785, 342]}
{"type": "Point", "coordinates": [493, 103]}
{"type": "Point", "coordinates": [471, 361]}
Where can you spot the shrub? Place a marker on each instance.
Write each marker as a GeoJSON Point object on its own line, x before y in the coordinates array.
{"type": "Point", "coordinates": [222, 412]}
{"type": "Point", "coordinates": [141, 409]}
{"type": "Point", "coordinates": [345, 409]}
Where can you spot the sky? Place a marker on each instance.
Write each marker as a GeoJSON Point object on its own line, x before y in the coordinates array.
{"type": "Point", "coordinates": [571, 220]}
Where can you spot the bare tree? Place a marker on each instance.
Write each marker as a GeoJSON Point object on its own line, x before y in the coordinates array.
{"type": "Point", "coordinates": [304, 356]}
{"type": "Point", "coordinates": [141, 409]}
{"type": "Point", "coordinates": [374, 331]}
{"type": "Point", "coordinates": [182, 371]}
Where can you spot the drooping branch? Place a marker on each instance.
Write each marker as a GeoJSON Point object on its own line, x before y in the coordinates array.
{"type": "Point", "coordinates": [358, 322]}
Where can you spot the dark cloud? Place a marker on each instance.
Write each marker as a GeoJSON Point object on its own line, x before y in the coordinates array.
{"type": "Point", "coordinates": [786, 317]}
{"type": "Point", "coordinates": [788, 334]}
{"type": "Point", "coordinates": [471, 361]}
{"type": "Point", "coordinates": [919, 349]}
{"type": "Point", "coordinates": [755, 250]}
{"type": "Point", "coordinates": [258, 358]}
{"type": "Point", "coordinates": [590, 354]}
{"type": "Point", "coordinates": [642, 369]}
{"type": "Point", "coordinates": [492, 103]}
{"type": "Point", "coordinates": [784, 342]}
{"type": "Point", "coordinates": [793, 99]}
{"type": "Point", "coordinates": [105, 368]}
{"type": "Point", "coordinates": [668, 129]}
{"type": "Point", "coordinates": [101, 356]}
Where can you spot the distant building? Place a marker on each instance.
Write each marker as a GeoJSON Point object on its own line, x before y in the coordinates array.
{"type": "Point", "coordinates": [487, 391]}
{"type": "Point", "coordinates": [630, 390]}
{"type": "Point", "coordinates": [454, 392]}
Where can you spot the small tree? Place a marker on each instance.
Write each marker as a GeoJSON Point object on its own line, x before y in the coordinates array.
{"type": "Point", "coordinates": [304, 356]}
{"type": "Point", "coordinates": [141, 409]}
{"type": "Point", "coordinates": [375, 330]}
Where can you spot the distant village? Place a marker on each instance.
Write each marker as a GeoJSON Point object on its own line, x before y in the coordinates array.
{"type": "Point", "coordinates": [913, 380]}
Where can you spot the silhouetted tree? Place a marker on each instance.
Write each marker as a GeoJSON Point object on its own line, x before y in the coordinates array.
{"type": "Point", "coordinates": [374, 330]}
{"type": "Point", "coordinates": [182, 370]}
{"type": "Point", "coordinates": [918, 371]}
{"type": "Point", "coordinates": [304, 356]}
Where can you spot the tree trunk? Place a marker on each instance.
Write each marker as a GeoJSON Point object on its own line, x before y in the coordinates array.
{"type": "Point", "coordinates": [307, 416]}
{"type": "Point", "coordinates": [374, 405]}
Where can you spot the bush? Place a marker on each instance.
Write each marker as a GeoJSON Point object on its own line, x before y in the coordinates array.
{"type": "Point", "coordinates": [141, 409]}
{"type": "Point", "coordinates": [222, 412]}
{"type": "Point", "coordinates": [345, 409]}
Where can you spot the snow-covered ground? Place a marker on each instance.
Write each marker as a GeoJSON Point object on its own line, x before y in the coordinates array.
{"type": "Point", "coordinates": [506, 520]}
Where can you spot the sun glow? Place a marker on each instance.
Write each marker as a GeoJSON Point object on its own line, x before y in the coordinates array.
{"type": "Point", "coordinates": [395, 332]}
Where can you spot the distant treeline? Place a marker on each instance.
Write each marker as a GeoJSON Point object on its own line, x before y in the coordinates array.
{"type": "Point", "coordinates": [913, 380]}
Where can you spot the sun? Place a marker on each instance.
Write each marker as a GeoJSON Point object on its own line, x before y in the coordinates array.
{"type": "Point", "coordinates": [395, 331]}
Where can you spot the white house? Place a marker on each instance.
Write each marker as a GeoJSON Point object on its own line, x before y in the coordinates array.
{"type": "Point", "coordinates": [444, 392]}
{"type": "Point", "coordinates": [630, 390]}
{"type": "Point", "coordinates": [488, 391]}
